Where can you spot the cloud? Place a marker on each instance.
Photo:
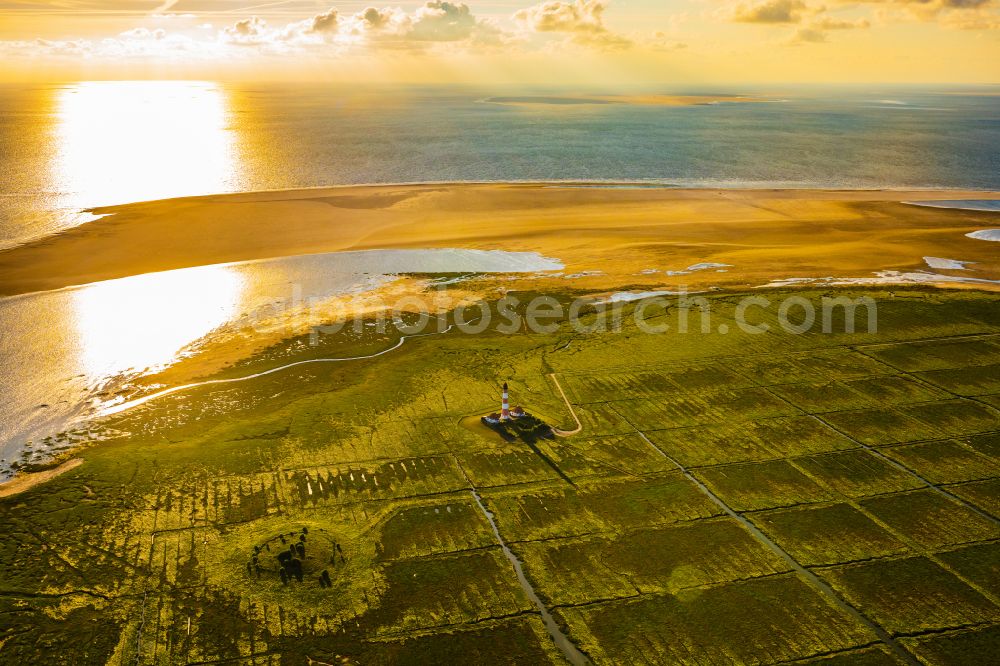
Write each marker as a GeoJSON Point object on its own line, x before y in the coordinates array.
{"type": "Point", "coordinates": [607, 41]}
{"type": "Point", "coordinates": [661, 41]}
{"type": "Point", "coordinates": [144, 33]}
{"type": "Point", "coordinates": [130, 45]}
{"type": "Point", "coordinates": [373, 19]}
{"type": "Point", "coordinates": [973, 20]}
{"type": "Point", "coordinates": [964, 14]}
{"type": "Point", "coordinates": [581, 20]}
{"type": "Point", "coordinates": [938, 4]}
{"type": "Point", "coordinates": [813, 21]}
{"type": "Point", "coordinates": [557, 16]}
{"type": "Point", "coordinates": [814, 32]}
{"type": "Point", "coordinates": [328, 21]}
{"type": "Point", "coordinates": [768, 11]}
{"type": "Point", "coordinates": [435, 21]}
{"type": "Point", "coordinates": [390, 27]}
{"type": "Point", "coordinates": [324, 34]}
{"type": "Point", "coordinates": [443, 22]}
{"type": "Point", "coordinates": [807, 36]}
{"type": "Point", "coordinates": [249, 31]}
{"type": "Point", "coordinates": [316, 30]}
{"type": "Point", "coordinates": [827, 23]}
{"type": "Point", "coordinates": [51, 47]}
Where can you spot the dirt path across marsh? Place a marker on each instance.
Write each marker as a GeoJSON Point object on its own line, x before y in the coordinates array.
{"type": "Point", "coordinates": [579, 426]}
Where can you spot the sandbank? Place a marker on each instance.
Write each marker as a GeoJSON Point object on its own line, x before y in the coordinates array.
{"type": "Point", "coordinates": [27, 481]}
{"type": "Point", "coordinates": [607, 237]}
{"type": "Point", "coordinates": [635, 100]}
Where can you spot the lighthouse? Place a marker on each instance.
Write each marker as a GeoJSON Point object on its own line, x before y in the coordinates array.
{"type": "Point", "coordinates": [506, 413]}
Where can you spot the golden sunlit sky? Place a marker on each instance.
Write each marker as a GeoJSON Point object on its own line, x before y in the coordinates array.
{"type": "Point", "coordinates": [505, 41]}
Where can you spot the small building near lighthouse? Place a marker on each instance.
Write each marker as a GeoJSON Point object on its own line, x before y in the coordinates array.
{"type": "Point", "coordinates": [506, 413]}
{"type": "Point", "coordinates": [514, 423]}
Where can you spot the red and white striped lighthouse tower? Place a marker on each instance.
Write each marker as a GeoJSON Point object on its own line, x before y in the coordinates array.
{"type": "Point", "coordinates": [505, 406]}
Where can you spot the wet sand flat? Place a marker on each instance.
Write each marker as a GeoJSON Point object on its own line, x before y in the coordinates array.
{"type": "Point", "coordinates": [631, 236]}
{"type": "Point", "coordinates": [23, 482]}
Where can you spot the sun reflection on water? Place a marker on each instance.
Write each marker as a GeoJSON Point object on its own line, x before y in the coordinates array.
{"type": "Point", "coordinates": [123, 141]}
{"type": "Point", "coordinates": [143, 322]}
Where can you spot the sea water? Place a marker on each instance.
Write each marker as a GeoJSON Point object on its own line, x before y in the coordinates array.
{"type": "Point", "coordinates": [65, 148]}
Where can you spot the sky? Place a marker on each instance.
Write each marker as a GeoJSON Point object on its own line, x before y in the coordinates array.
{"type": "Point", "coordinates": [572, 42]}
